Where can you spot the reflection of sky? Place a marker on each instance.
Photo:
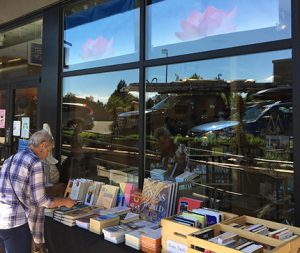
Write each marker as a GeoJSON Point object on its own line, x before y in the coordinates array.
{"type": "Point", "coordinates": [254, 66]}
{"type": "Point", "coordinates": [254, 21]}
{"type": "Point", "coordinates": [100, 86]}
{"type": "Point", "coordinates": [250, 15]}
{"type": "Point", "coordinates": [122, 29]}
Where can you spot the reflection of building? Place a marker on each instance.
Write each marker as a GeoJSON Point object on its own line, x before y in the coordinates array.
{"type": "Point", "coordinates": [242, 55]}
{"type": "Point", "coordinates": [283, 71]}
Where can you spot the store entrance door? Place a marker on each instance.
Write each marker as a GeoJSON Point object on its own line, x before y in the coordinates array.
{"type": "Point", "coordinates": [18, 115]}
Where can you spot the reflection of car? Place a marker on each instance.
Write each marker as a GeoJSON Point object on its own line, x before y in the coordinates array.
{"type": "Point", "coordinates": [259, 119]}
{"type": "Point", "coordinates": [177, 112]}
{"type": "Point", "coordinates": [77, 115]}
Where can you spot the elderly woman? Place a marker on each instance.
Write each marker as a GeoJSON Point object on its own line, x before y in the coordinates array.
{"type": "Point", "coordinates": [23, 196]}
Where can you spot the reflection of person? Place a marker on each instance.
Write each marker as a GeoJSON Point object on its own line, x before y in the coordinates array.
{"type": "Point", "coordinates": [171, 161]}
{"type": "Point", "coordinates": [23, 197]}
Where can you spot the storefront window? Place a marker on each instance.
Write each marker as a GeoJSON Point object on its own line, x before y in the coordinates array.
{"type": "Point", "coordinates": [198, 26]}
{"type": "Point", "coordinates": [228, 121]}
{"type": "Point", "coordinates": [101, 32]}
{"type": "Point", "coordinates": [21, 51]}
{"type": "Point", "coordinates": [93, 143]}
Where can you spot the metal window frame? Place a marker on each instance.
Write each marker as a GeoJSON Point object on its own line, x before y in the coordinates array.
{"type": "Point", "coordinates": [292, 43]}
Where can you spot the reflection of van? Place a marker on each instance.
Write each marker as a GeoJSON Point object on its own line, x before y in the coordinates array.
{"type": "Point", "coordinates": [77, 115]}
{"type": "Point", "coordinates": [176, 112]}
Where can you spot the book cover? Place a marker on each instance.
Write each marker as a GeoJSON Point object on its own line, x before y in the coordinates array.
{"type": "Point", "coordinates": [92, 193]}
{"type": "Point", "coordinates": [188, 204]}
{"type": "Point", "coordinates": [68, 188]}
{"type": "Point", "coordinates": [107, 196]}
{"type": "Point", "coordinates": [155, 200]}
{"type": "Point", "coordinates": [135, 201]}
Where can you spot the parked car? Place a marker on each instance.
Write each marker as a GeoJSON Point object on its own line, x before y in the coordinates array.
{"type": "Point", "coordinates": [259, 119]}
{"type": "Point", "coordinates": [176, 112]}
{"type": "Point", "coordinates": [77, 115]}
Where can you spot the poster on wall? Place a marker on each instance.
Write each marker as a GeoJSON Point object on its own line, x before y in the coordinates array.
{"type": "Point", "coordinates": [25, 127]}
{"type": "Point", "coordinates": [16, 127]}
{"type": "Point", "coordinates": [2, 118]}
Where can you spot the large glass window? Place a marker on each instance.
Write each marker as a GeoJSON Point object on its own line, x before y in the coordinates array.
{"type": "Point", "coordinates": [93, 143]}
{"type": "Point", "coordinates": [21, 51]}
{"type": "Point", "coordinates": [175, 27]}
{"type": "Point", "coordinates": [229, 121]}
{"type": "Point", "coordinates": [101, 32]}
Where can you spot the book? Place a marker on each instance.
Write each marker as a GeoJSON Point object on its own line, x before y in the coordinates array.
{"type": "Point", "coordinates": [129, 217]}
{"type": "Point", "coordinates": [118, 210]}
{"type": "Point", "coordinates": [68, 188]}
{"type": "Point", "coordinates": [129, 188]}
{"type": "Point", "coordinates": [79, 189]}
{"type": "Point", "coordinates": [135, 201]}
{"type": "Point", "coordinates": [84, 222]}
{"type": "Point", "coordinates": [155, 200]}
{"type": "Point", "coordinates": [116, 231]}
{"type": "Point", "coordinates": [92, 193]}
{"type": "Point", "coordinates": [79, 213]}
{"type": "Point", "coordinates": [253, 248]}
{"type": "Point", "coordinates": [212, 216]}
{"type": "Point", "coordinates": [103, 221]}
{"type": "Point", "coordinates": [107, 196]}
{"type": "Point", "coordinates": [188, 204]}
{"type": "Point", "coordinates": [273, 233]}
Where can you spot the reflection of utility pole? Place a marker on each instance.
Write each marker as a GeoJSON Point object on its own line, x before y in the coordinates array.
{"type": "Point", "coordinates": [165, 51]}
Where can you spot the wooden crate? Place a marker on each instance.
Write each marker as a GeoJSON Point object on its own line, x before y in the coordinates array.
{"type": "Point", "coordinates": [177, 232]}
{"type": "Point", "coordinates": [278, 246]}
{"type": "Point", "coordinates": [293, 244]}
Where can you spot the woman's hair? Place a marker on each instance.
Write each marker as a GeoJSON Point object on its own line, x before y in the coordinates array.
{"type": "Point", "coordinates": [39, 137]}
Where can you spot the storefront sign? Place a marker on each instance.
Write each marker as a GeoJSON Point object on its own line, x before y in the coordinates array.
{"type": "Point", "coordinates": [16, 127]}
{"type": "Point", "coordinates": [25, 126]}
{"type": "Point", "coordinates": [22, 144]}
{"type": "Point", "coordinates": [34, 53]}
{"type": "Point", "coordinates": [2, 118]}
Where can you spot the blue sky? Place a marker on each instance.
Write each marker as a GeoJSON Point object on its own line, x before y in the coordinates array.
{"type": "Point", "coordinates": [255, 21]}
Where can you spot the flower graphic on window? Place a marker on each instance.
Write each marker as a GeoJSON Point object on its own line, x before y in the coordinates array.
{"type": "Point", "coordinates": [212, 21]}
{"type": "Point", "coordinates": [94, 49]}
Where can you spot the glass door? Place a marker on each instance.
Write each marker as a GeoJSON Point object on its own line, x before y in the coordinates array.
{"type": "Point", "coordinates": [24, 116]}
{"type": "Point", "coordinates": [3, 111]}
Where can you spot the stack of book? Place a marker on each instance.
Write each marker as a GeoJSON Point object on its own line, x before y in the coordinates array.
{"type": "Point", "coordinates": [116, 234]}
{"type": "Point", "coordinates": [129, 217]}
{"type": "Point", "coordinates": [84, 222]}
{"type": "Point", "coordinates": [158, 174]}
{"type": "Point", "coordinates": [118, 210]}
{"type": "Point", "coordinates": [228, 239]}
{"type": "Point", "coordinates": [69, 218]}
{"type": "Point", "coordinates": [59, 212]}
{"type": "Point", "coordinates": [151, 241]}
{"type": "Point", "coordinates": [158, 199]}
{"type": "Point", "coordinates": [98, 223]}
{"type": "Point", "coordinates": [132, 239]}
{"type": "Point", "coordinates": [186, 176]}
{"type": "Point", "coordinates": [200, 217]}
{"type": "Point", "coordinates": [283, 234]}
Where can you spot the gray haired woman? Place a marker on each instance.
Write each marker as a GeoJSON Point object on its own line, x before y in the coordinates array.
{"type": "Point", "coordinates": [23, 196]}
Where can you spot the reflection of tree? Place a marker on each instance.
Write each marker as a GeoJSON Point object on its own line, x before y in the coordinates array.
{"type": "Point", "coordinates": [194, 76]}
{"type": "Point", "coordinates": [119, 102]}
{"type": "Point", "coordinates": [99, 110]}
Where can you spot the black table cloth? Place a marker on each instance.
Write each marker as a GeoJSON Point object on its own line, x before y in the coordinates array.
{"type": "Point", "coordinates": [64, 239]}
